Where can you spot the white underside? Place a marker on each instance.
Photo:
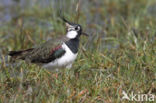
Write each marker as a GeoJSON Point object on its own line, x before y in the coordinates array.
{"type": "Point", "coordinates": [64, 62]}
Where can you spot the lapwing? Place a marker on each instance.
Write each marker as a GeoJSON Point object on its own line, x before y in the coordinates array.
{"type": "Point", "coordinates": [54, 53]}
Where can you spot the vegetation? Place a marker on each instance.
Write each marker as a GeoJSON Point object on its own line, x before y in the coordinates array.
{"type": "Point", "coordinates": [119, 55]}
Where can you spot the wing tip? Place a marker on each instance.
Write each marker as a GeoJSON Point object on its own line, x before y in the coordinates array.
{"type": "Point", "coordinates": [13, 53]}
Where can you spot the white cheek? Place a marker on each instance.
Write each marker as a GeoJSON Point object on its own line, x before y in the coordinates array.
{"type": "Point", "coordinates": [72, 34]}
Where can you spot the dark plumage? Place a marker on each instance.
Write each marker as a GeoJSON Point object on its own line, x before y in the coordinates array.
{"type": "Point", "coordinates": [47, 52]}
{"type": "Point", "coordinates": [60, 52]}
{"type": "Point", "coordinates": [56, 53]}
{"type": "Point", "coordinates": [16, 54]}
{"type": "Point", "coordinates": [73, 44]}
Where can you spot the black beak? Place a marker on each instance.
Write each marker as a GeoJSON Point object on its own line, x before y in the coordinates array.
{"type": "Point", "coordinates": [70, 24]}
{"type": "Point", "coordinates": [85, 34]}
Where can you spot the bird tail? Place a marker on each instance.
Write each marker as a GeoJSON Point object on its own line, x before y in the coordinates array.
{"type": "Point", "coordinates": [19, 54]}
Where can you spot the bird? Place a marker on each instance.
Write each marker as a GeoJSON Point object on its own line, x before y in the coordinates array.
{"type": "Point", "coordinates": [54, 53]}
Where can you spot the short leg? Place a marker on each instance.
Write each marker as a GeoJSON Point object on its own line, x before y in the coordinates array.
{"type": "Point", "coordinates": [69, 66]}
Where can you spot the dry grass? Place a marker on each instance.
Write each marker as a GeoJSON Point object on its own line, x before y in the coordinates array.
{"type": "Point", "coordinates": [119, 55]}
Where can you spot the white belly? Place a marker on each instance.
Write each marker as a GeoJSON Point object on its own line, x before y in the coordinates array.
{"type": "Point", "coordinates": [66, 60]}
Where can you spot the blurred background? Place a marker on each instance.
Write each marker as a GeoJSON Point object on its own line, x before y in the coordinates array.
{"type": "Point", "coordinates": [119, 54]}
{"type": "Point", "coordinates": [102, 19]}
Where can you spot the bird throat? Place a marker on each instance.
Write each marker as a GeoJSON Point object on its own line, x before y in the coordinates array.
{"type": "Point", "coordinates": [73, 44]}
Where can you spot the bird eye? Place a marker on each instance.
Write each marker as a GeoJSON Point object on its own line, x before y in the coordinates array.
{"type": "Point", "coordinates": [77, 28]}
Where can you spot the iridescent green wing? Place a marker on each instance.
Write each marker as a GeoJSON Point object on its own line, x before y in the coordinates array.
{"type": "Point", "coordinates": [47, 52]}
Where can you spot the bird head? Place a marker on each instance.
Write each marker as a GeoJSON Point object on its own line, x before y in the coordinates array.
{"type": "Point", "coordinates": [73, 30]}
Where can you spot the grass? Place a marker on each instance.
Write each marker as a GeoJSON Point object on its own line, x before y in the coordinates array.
{"type": "Point", "coordinates": [119, 55]}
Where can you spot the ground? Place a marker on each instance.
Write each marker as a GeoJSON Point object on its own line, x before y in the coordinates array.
{"type": "Point", "coordinates": [118, 56]}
